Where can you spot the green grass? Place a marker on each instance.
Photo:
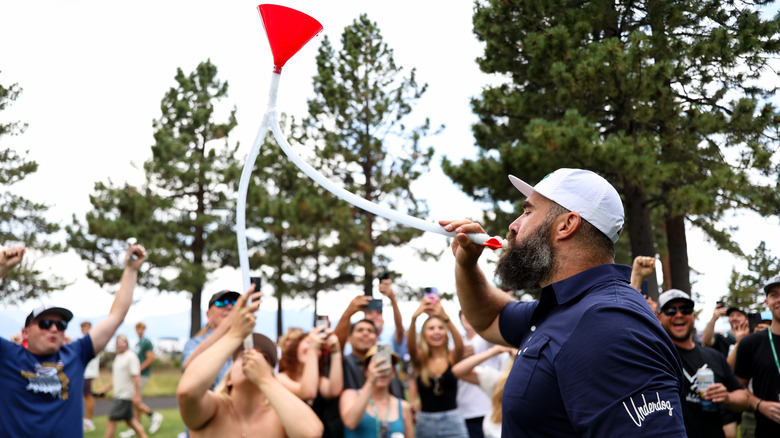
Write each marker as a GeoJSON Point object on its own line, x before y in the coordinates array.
{"type": "Point", "coordinates": [172, 425]}
{"type": "Point", "coordinates": [162, 382]}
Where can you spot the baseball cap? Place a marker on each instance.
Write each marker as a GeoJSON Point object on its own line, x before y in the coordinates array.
{"type": "Point", "coordinates": [262, 344]}
{"type": "Point", "coordinates": [583, 192]}
{"type": "Point", "coordinates": [735, 309]}
{"type": "Point", "coordinates": [66, 314]}
{"type": "Point", "coordinates": [670, 295]}
{"type": "Point", "coordinates": [766, 315]}
{"type": "Point", "coordinates": [229, 294]}
{"type": "Point", "coordinates": [772, 282]}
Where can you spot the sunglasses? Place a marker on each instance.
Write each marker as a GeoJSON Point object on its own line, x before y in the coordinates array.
{"type": "Point", "coordinates": [224, 303]}
{"type": "Point", "coordinates": [45, 324]}
{"type": "Point", "coordinates": [672, 310]}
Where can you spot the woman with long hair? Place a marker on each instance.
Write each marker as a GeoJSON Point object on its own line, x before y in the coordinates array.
{"type": "Point", "coordinates": [490, 380]}
{"type": "Point", "coordinates": [432, 359]}
{"type": "Point", "coordinates": [372, 411]}
{"type": "Point", "coordinates": [303, 362]}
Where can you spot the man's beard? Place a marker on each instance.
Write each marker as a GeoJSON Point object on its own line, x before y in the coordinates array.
{"type": "Point", "coordinates": [530, 263]}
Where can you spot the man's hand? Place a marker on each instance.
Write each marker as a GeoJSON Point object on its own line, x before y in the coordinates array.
{"type": "Point", "coordinates": [643, 266]}
{"type": "Point", "coordinates": [770, 410]}
{"type": "Point", "coordinates": [719, 312]}
{"type": "Point", "coordinates": [10, 257]}
{"type": "Point", "coordinates": [358, 304]}
{"type": "Point", "coordinates": [255, 367]}
{"type": "Point", "coordinates": [741, 330]}
{"type": "Point", "coordinates": [138, 256]}
{"type": "Point", "coordinates": [464, 250]}
{"type": "Point", "coordinates": [243, 318]}
{"type": "Point", "coordinates": [386, 289]}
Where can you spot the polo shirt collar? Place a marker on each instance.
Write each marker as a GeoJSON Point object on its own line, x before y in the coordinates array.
{"type": "Point", "coordinates": [572, 287]}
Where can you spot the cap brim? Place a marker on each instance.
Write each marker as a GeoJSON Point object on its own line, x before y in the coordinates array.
{"type": "Point", "coordinates": [522, 186]}
{"type": "Point", "coordinates": [66, 314]}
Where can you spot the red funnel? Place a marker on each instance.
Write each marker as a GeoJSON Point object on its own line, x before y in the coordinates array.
{"type": "Point", "coordinates": [288, 30]}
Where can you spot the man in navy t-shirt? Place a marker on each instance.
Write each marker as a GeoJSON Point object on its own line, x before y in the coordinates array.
{"type": "Point", "coordinates": [42, 385]}
{"type": "Point", "coordinates": [592, 358]}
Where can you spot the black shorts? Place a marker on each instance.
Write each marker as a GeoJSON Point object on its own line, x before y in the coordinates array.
{"type": "Point", "coordinates": [87, 391]}
{"type": "Point", "coordinates": [121, 410]}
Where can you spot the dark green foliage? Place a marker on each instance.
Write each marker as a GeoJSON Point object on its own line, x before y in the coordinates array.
{"type": "Point", "coordinates": [22, 221]}
{"type": "Point", "coordinates": [746, 290]}
{"type": "Point", "coordinates": [664, 99]}
{"type": "Point", "coordinates": [184, 212]}
{"type": "Point", "coordinates": [356, 121]}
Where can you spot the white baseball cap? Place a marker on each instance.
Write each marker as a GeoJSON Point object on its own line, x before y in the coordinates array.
{"type": "Point", "coordinates": [583, 192]}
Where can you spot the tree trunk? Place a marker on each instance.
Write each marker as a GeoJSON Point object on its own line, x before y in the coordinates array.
{"type": "Point", "coordinates": [678, 253]}
{"type": "Point", "coordinates": [640, 232]}
{"type": "Point", "coordinates": [195, 323]}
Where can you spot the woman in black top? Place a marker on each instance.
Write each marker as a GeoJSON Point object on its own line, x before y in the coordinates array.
{"type": "Point", "coordinates": [436, 385]}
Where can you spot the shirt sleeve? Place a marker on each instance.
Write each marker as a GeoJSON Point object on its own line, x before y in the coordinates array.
{"type": "Point", "coordinates": [135, 366]}
{"type": "Point", "coordinates": [514, 321]}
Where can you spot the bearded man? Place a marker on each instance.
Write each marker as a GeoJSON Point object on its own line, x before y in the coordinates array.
{"type": "Point", "coordinates": [593, 359]}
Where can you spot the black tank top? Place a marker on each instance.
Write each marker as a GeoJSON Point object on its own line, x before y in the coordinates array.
{"type": "Point", "coordinates": [441, 395]}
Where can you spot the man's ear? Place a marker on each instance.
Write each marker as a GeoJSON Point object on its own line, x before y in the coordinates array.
{"type": "Point", "coordinates": [566, 225]}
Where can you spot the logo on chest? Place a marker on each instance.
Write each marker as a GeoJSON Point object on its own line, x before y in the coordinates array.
{"type": "Point", "coordinates": [48, 378]}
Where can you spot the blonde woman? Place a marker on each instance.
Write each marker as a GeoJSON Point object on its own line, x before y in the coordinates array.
{"type": "Point", "coordinates": [252, 402]}
{"type": "Point", "coordinates": [432, 359]}
{"type": "Point", "coordinates": [371, 411]}
{"type": "Point", "coordinates": [490, 380]}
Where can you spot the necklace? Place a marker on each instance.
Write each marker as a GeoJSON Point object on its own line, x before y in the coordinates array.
{"type": "Point", "coordinates": [437, 389]}
{"type": "Point", "coordinates": [382, 427]}
{"type": "Point", "coordinates": [774, 353]}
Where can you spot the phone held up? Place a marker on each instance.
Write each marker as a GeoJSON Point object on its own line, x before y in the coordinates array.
{"type": "Point", "coordinates": [432, 293]}
{"type": "Point", "coordinates": [383, 354]}
{"type": "Point", "coordinates": [258, 282]}
{"type": "Point", "coordinates": [322, 321]}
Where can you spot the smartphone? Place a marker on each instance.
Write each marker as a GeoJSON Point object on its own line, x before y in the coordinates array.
{"type": "Point", "coordinates": [383, 354]}
{"type": "Point", "coordinates": [322, 321]}
{"type": "Point", "coordinates": [374, 304]}
{"type": "Point", "coordinates": [719, 304]}
{"type": "Point", "coordinates": [432, 293]}
{"type": "Point", "coordinates": [257, 281]}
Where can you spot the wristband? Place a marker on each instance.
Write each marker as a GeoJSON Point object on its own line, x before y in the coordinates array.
{"type": "Point", "coordinates": [757, 405]}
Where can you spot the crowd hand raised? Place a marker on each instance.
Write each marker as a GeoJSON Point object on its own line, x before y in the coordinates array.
{"type": "Point", "coordinates": [332, 341]}
{"type": "Point", "coordinates": [358, 304]}
{"type": "Point", "coordinates": [386, 289]}
{"type": "Point", "coordinates": [719, 312]}
{"type": "Point", "coordinates": [135, 256]}
{"type": "Point", "coordinates": [255, 367]}
{"type": "Point", "coordinates": [315, 338]}
{"type": "Point", "coordinates": [741, 330]}
{"type": "Point", "coordinates": [643, 266]}
{"type": "Point", "coordinates": [12, 256]}
{"type": "Point", "coordinates": [377, 369]}
{"type": "Point", "coordinates": [243, 318]}
{"type": "Point", "coordinates": [426, 306]}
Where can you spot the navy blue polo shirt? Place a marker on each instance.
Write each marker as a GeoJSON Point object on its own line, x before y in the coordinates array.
{"type": "Point", "coordinates": [593, 360]}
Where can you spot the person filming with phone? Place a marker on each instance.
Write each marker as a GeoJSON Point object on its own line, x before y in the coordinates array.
{"type": "Point", "coordinates": [372, 411]}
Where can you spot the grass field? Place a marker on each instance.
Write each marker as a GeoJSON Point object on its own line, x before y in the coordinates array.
{"type": "Point", "coordinates": [171, 427]}
{"type": "Point", "coordinates": [163, 382]}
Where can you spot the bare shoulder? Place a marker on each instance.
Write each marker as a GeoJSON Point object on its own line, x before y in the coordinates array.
{"type": "Point", "coordinates": [228, 422]}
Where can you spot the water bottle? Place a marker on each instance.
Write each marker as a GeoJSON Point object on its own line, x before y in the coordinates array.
{"type": "Point", "coordinates": [704, 378]}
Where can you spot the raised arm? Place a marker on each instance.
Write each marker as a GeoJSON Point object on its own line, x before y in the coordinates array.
{"type": "Point", "coordinates": [386, 289]}
{"type": "Point", "coordinates": [481, 301]}
{"type": "Point", "coordinates": [642, 268]}
{"type": "Point", "coordinates": [342, 327]}
{"type": "Point", "coordinates": [411, 334]}
{"type": "Point", "coordinates": [298, 419]}
{"type": "Point", "coordinates": [10, 257]}
{"type": "Point", "coordinates": [102, 332]}
{"type": "Point", "coordinates": [196, 404]}
{"type": "Point", "coordinates": [456, 354]}
{"type": "Point", "coordinates": [352, 404]}
{"type": "Point", "coordinates": [308, 382]}
{"type": "Point", "coordinates": [708, 334]}
{"type": "Point", "coordinates": [331, 386]}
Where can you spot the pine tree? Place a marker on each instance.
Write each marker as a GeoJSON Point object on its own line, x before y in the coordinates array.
{"type": "Point", "coordinates": [357, 123]}
{"type": "Point", "coordinates": [664, 99]}
{"type": "Point", "coordinates": [184, 212]}
{"type": "Point", "coordinates": [22, 221]}
{"type": "Point", "coordinates": [745, 290]}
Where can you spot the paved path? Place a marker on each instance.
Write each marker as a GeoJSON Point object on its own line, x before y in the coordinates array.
{"type": "Point", "coordinates": [103, 406]}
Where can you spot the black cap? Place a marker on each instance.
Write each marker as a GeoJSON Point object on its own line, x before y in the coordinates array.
{"type": "Point", "coordinates": [735, 309]}
{"type": "Point", "coordinates": [66, 314]}
{"type": "Point", "coordinates": [229, 294]}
